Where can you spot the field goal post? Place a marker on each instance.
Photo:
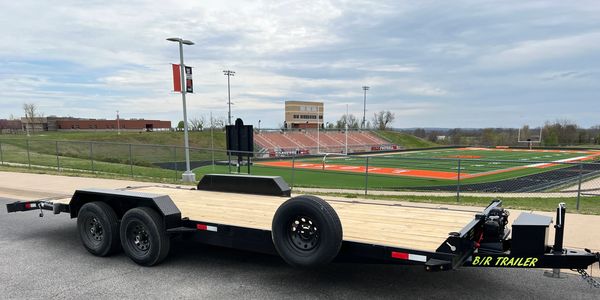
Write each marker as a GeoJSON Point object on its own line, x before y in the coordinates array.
{"type": "Point", "coordinates": [530, 136]}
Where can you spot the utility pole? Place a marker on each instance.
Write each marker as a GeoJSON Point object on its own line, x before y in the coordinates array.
{"type": "Point", "coordinates": [364, 122]}
{"type": "Point", "coordinates": [229, 73]}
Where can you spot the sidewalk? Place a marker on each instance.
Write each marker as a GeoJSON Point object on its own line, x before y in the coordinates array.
{"type": "Point", "coordinates": [582, 231]}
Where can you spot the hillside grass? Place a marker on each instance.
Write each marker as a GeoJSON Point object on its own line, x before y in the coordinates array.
{"type": "Point", "coordinates": [198, 139]}
{"type": "Point", "coordinates": [405, 140]}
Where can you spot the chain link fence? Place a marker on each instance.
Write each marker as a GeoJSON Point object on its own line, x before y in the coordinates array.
{"type": "Point", "coordinates": [382, 173]}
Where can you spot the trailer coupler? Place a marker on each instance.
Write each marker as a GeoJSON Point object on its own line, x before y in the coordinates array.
{"type": "Point", "coordinates": [40, 205]}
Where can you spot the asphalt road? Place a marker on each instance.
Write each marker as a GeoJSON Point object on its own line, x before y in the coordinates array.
{"type": "Point", "coordinates": [43, 258]}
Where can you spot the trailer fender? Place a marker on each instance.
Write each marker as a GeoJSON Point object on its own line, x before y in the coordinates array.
{"type": "Point", "coordinates": [122, 201]}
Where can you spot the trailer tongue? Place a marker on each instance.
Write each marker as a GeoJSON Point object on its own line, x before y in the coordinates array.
{"type": "Point", "coordinates": [307, 231]}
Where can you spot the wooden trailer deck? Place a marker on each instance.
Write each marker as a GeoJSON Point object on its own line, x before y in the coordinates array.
{"type": "Point", "coordinates": [418, 228]}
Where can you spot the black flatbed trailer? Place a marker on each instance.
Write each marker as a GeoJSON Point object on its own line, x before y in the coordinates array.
{"type": "Point", "coordinates": [307, 231]}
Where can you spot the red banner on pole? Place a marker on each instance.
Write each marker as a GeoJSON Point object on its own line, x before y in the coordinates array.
{"type": "Point", "coordinates": [176, 78]}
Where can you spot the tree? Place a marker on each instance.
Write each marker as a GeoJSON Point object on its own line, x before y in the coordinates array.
{"type": "Point", "coordinates": [420, 132]}
{"type": "Point", "coordinates": [180, 126]}
{"type": "Point", "coordinates": [218, 122]}
{"type": "Point", "coordinates": [349, 119]}
{"type": "Point", "coordinates": [488, 137]}
{"type": "Point", "coordinates": [31, 112]}
{"type": "Point", "coordinates": [383, 119]}
{"type": "Point", "coordinates": [197, 123]}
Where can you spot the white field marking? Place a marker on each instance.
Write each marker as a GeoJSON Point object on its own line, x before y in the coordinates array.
{"type": "Point", "coordinates": [476, 165]}
{"type": "Point", "coordinates": [399, 171]}
{"type": "Point", "coordinates": [556, 161]}
{"type": "Point", "coordinates": [349, 168]}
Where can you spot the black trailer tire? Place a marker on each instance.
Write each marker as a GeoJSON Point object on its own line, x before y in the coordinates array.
{"type": "Point", "coordinates": [143, 236]}
{"type": "Point", "coordinates": [306, 231]}
{"type": "Point", "coordinates": [98, 228]}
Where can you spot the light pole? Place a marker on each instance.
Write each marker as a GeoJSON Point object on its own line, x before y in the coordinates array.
{"type": "Point", "coordinates": [318, 130]}
{"type": "Point", "coordinates": [346, 129]}
{"type": "Point", "coordinates": [118, 124]}
{"type": "Point", "coordinates": [365, 88]}
{"type": "Point", "coordinates": [188, 175]}
{"type": "Point", "coordinates": [258, 126]}
{"type": "Point", "coordinates": [229, 73]}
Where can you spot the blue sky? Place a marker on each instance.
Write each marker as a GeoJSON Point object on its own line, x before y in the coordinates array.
{"type": "Point", "coordinates": [433, 63]}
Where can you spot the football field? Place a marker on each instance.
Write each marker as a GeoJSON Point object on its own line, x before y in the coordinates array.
{"type": "Point", "coordinates": [423, 168]}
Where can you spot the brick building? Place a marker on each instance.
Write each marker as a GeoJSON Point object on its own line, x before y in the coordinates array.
{"type": "Point", "coordinates": [303, 114]}
{"type": "Point", "coordinates": [10, 126]}
{"type": "Point", "coordinates": [53, 123]}
{"type": "Point", "coordinates": [98, 124]}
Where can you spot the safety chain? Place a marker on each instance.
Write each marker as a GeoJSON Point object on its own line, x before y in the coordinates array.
{"type": "Point", "coordinates": [589, 279]}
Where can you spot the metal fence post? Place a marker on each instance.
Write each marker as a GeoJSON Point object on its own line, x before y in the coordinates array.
{"type": "Point", "coordinates": [293, 169]}
{"type": "Point", "coordinates": [175, 161]}
{"type": "Point", "coordinates": [92, 155]}
{"type": "Point", "coordinates": [579, 184]}
{"type": "Point", "coordinates": [130, 160]}
{"type": "Point", "coordinates": [458, 182]}
{"type": "Point", "coordinates": [1, 156]}
{"type": "Point", "coordinates": [28, 156]}
{"type": "Point", "coordinates": [229, 159]}
{"type": "Point", "coordinates": [57, 158]}
{"type": "Point", "coordinates": [367, 176]}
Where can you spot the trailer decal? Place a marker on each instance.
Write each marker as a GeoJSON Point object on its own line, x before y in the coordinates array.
{"type": "Point", "coordinates": [504, 261]}
{"type": "Point", "coordinates": [206, 227]}
{"type": "Point", "coordinates": [409, 256]}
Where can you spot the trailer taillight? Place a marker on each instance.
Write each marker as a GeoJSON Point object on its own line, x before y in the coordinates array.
{"type": "Point", "coordinates": [28, 205]}
{"type": "Point", "coordinates": [206, 227]}
{"type": "Point", "coordinates": [409, 256]}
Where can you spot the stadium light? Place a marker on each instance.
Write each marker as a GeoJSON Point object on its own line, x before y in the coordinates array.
{"type": "Point", "coordinates": [228, 73]}
{"type": "Point", "coordinates": [365, 88]}
{"type": "Point", "coordinates": [188, 175]}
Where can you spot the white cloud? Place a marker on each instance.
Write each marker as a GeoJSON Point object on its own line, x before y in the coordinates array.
{"type": "Point", "coordinates": [93, 57]}
{"type": "Point", "coordinates": [536, 51]}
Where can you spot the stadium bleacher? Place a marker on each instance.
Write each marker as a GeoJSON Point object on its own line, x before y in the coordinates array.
{"type": "Point", "coordinates": [278, 143]}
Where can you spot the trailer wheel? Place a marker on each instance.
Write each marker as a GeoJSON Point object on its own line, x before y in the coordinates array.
{"type": "Point", "coordinates": [143, 236]}
{"type": "Point", "coordinates": [98, 228]}
{"type": "Point", "coordinates": [306, 231]}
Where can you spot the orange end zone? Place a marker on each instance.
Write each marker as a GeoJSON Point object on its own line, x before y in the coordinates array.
{"type": "Point", "coordinates": [362, 169]}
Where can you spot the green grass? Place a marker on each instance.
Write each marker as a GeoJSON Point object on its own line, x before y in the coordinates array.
{"type": "Point", "coordinates": [405, 140]}
{"type": "Point", "coordinates": [329, 179]}
{"type": "Point", "coordinates": [433, 160]}
{"type": "Point", "coordinates": [114, 158]}
{"type": "Point", "coordinates": [198, 139]}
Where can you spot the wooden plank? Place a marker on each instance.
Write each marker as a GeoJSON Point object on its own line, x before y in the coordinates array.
{"type": "Point", "coordinates": [419, 228]}
{"type": "Point", "coordinates": [397, 226]}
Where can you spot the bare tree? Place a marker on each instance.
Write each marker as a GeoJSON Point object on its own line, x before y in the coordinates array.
{"type": "Point", "coordinates": [218, 122]}
{"type": "Point", "coordinates": [31, 112]}
{"type": "Point", "coordinates": [197, 123]}
{"type": "Point", "coordinates": [349, 119]}
{"type": "Point", "coordinates": [383, 119]}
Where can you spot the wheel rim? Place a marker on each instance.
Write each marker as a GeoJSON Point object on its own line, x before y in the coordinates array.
{"type": "Point", "coordinates": [303, 233]}
{"type": "Point", "coordinates": [94, 230]}
{"type": "Point", "coordinates": [138, 237]}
